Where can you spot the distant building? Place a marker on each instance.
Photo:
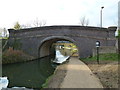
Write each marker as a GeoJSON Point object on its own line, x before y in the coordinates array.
{"type": "Point", "coordinates": [119, 14]}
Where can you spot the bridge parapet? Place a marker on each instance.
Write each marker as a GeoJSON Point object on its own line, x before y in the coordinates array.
{"type": "Point", "coordinates": [64, 30]}
{"type": "Point", "coordinates": [35, 40]}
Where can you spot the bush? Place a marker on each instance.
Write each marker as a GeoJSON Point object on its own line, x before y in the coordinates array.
{"type": "Point", "coordinates": [13, 56]}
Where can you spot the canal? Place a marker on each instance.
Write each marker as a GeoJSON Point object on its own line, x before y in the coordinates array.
{"type": "Point", "coordinates": [33, 74]}
{"type": "Point", "coordinates": [30, 74]}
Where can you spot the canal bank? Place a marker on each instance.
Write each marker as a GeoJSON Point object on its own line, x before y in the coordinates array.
{"type": "Point", "coordinates": [58, 76]}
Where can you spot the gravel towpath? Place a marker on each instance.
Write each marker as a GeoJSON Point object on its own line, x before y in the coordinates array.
{"type": "Point", "coordinates": [79, 76]}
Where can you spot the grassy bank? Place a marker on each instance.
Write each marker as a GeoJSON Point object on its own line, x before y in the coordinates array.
{"type": "Point", "coordinates": [107, 70]}
{"type": "Point", "coordinates": [108, 56]}
{"type": "Point", "coordinates": [45, 85]}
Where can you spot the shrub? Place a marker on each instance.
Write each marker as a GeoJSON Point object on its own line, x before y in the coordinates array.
{"type": "Point", "coordinates": [13, 56]}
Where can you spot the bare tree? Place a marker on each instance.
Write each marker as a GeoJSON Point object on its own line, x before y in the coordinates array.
{"type": "Point", "coordinates": [39, 23]}
{"type": "Point", "coordinates": [35, 23]}
{"type": "Point", "coordinates": [84, 21]}
{"type": "Point", "coordinates": [26, 26]}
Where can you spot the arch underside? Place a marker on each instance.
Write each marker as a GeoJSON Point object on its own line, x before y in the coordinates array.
{"type": "Point", "coordinates": [45, 47]}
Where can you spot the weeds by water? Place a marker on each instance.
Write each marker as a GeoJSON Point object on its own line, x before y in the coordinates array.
{"type": "Point", "coordinates": [45, 85]}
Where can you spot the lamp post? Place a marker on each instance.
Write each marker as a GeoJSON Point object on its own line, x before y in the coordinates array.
{"type": "Point", "coordinates": [101, 16]}
{"type": "Point", "coordinates": [97, 46]}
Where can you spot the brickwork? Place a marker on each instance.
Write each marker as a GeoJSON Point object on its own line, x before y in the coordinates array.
{"type": "Point", "coordinates": [38, 41]}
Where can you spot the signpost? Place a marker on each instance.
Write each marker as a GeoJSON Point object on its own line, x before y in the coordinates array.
{"type": "Point", "coordinates": [97, 46]}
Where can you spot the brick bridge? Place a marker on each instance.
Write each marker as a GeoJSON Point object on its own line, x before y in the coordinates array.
{"type": "Point", "coordinates": [37, 41]}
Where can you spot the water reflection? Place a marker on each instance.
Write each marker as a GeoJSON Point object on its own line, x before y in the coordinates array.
{"type": "Point", "coordinates": [30, 74]}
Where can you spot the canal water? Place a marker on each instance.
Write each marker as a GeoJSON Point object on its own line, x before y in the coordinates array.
{"type": "Point", "coordinates": [30, 74]}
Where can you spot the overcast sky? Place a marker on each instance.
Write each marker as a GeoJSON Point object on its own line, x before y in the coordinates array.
{"type": "Point", "coordinates": [58, 12]}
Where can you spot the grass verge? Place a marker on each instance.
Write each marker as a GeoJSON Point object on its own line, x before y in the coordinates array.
{"type": "Point", "coordinates": [107, 56]}
{"type": "Point", "coordinates": [106, 70]}
{"type": "Point", "coordinates": [45, 85]}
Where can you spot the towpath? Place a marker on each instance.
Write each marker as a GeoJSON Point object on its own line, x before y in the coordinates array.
{"type": "Point", "coordinates": [78, 75]}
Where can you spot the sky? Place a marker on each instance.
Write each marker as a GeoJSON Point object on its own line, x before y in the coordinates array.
{"type": "Point", "coordinates": [58, 12]}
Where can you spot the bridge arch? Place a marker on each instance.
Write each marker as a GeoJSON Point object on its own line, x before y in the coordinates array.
{"type": "Point", "coordinates": [45, 46]}
{"type": "Point", "coordinates": [33, 41]}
